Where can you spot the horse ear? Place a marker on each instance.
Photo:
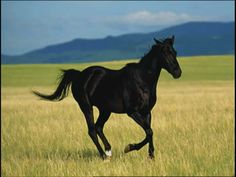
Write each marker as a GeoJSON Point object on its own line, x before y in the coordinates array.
{"type": "Point", "coordinates": [173, 39]}
{"type": "Point", "coordinates": [157, 41]}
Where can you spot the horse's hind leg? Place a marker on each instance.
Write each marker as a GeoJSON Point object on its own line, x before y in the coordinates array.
{"type": "Point", "coordinates": [103, 117]}
{"type": "Point", "coordinates": [88, 113]}
{"type": "Point", "coordinates": [86, 107]}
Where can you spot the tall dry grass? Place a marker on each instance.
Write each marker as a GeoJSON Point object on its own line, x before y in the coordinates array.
{"type": "Point", "coordinates": [193, 128]}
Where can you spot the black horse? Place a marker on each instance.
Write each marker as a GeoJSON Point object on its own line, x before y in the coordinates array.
{"type": "Point", "coordinates": [131, 90]}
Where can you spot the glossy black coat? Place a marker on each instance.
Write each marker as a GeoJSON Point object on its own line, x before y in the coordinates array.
{"type": "Point", "coordinates": [130, 90]}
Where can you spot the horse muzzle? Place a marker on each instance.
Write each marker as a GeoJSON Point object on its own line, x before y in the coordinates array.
{"type": "Point", "coordinates": [177, 73]}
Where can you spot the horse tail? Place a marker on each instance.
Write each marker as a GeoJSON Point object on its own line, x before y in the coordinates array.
{"type": "Point", "coordinates": [65, 81]}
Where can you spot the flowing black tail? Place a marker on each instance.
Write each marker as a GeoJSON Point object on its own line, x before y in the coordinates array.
{"type": "Point", "coordinates": [66, 79]}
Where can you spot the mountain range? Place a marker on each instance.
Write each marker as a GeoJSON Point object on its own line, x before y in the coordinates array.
{"type": "Point", "coordinates": [191, 39]}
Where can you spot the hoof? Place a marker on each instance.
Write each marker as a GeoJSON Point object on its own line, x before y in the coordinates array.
{"type": "Point", "coordinates": [108, 153]}
{"type": "Point", "coordinates": [128, 148]}
{"type": "Point", "coordinates": [151, 157]}
{"type": "Point", "coordinates": [106, 158]}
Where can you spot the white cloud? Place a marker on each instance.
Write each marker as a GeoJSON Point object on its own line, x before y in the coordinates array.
{"type": "Point", "coordinates": [146, 18]}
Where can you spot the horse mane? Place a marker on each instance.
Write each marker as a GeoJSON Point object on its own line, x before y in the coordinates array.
{"type": "Point", "coordinates": [144, 59]}
{"type": "Point", "coordinates": [147, 58]}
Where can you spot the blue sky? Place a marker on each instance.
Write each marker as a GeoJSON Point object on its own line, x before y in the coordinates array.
{"type": "Point", "coordinates": [30, 25]}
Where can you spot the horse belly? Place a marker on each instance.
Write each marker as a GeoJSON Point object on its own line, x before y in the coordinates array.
{"type": "Point", "coordinates": [108, 98]}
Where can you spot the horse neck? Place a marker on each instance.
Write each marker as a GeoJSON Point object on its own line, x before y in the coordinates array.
{"type": "Point", "coordinates": [150, 63]}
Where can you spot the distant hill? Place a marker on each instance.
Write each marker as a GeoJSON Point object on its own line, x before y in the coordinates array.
{"type": "Point", "coordinates": [193, 38]}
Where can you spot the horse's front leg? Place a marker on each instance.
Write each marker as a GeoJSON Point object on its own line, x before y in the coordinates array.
{"type": "Point", "coordinates": [149, 132]}
{"type": "Point", "coordinates": [145, 123]}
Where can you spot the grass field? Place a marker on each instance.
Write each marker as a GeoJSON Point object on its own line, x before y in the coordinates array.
{"type": "Point", "coordinates": [193, 124]}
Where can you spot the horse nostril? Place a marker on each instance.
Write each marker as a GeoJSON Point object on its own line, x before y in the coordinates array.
{"type": "Point", "coordinates": [180, 73]}
{"type": "Point", "coordinates": [177, 73]}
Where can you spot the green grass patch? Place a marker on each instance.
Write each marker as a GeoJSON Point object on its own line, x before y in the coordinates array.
{"type": "Point", "coordinates": [194, 69]}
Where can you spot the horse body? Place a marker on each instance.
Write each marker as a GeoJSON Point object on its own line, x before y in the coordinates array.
{"type": "Point", "coordinates": [111, 84]}
{"type": "Point", "coordinates": [130, 90]}
{"type": "Point", "coordinates": [127, 90]}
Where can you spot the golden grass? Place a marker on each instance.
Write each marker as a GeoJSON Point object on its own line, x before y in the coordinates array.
{"type": "Point", "coordinates": [193, 124]}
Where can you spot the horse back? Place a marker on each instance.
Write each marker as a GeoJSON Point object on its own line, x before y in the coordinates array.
{"type": "Point", "coordinates": [104, 88]}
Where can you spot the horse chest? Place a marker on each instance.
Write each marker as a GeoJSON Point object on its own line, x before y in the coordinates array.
{"type": "Point", "coordinates": [140, 97]}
